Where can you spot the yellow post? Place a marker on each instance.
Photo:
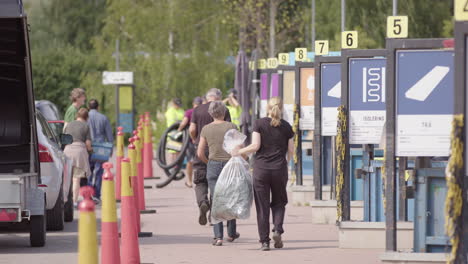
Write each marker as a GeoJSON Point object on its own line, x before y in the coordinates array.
{"type": "Point", "coordinates": [120, 142]}
{"type": "Point", "coordinates": [109, 211]}
{"type": "Point", "coordinates": [120, 155]}
{"type": "Point", "coordinates": [126, 185]}
{"type": "Point", "coordinates": [132, 155]}
{"type": "Point", "coordinates": [87, 231]}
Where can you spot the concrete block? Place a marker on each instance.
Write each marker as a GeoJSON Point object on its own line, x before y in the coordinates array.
{"type": "Point", "coordinates": [413, 258]}
{"type": "Point", "coordinates": [324, 212]}
{"type": "Point", "coordinates": [372, 235]}
{"type": "Point", "coordinates": [302, 195]}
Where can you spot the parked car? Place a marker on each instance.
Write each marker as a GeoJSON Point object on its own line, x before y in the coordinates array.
{"type": "Point", "coordinates": [56, 173]}
{"type": "Point", "coordinates": [51, 113]}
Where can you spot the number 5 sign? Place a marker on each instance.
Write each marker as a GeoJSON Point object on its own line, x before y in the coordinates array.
{"type": "Point", "coordinates": [349, 40]}
{"type": "Point", "coordinates": [397, 27]}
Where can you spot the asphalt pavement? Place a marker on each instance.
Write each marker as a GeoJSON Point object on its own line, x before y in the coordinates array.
{"type": "Point", "coordinates": [178, 238]}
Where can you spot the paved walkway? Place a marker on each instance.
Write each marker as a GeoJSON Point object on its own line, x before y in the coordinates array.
{"type": "Point", "coordinates": [179, 239]}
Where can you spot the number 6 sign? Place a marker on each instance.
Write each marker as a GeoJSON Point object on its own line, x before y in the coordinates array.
{"type": "Point", "coordinates": [349, 40]}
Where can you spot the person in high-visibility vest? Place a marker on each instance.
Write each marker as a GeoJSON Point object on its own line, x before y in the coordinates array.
{"type": "Point", "coordinates": [233, 106]}
{"type": "Point", "coordinates": [174, 114]}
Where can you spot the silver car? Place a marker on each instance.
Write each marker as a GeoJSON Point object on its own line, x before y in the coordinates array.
{"type": "Point", "coordinates": [56, 173]}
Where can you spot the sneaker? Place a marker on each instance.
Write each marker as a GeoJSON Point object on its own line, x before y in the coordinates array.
{"type": "Point", "coordinates": [96, 200]}
{"type": "Point", "coordinates": [265, 246]}
{"type": "Point", "coordinates": [231, 239]}
{"type": "Point", "coordinates": [277, 239]}
{"type": "Point", "coordinates": [217, 242]}
{"type": "Point", "coordinates": [203, 210]}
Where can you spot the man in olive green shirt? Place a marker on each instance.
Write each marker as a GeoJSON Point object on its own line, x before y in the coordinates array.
{"type": "Point", "coordinates": [78, 98]}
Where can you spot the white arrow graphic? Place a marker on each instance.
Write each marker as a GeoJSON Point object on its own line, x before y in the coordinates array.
{"type": "Point", "coordinates": [335, 91]}
{"type": "Point", "coordinates": [424, 87]}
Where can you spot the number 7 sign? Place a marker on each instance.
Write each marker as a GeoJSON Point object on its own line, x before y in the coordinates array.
{"type": "Point", "coordinates": [321, 47]}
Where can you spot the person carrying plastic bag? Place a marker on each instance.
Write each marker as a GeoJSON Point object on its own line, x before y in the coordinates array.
{"type": "Point", "coordinates": [233, 194]}
{"type": "Point", "coordinates": [212, 135]}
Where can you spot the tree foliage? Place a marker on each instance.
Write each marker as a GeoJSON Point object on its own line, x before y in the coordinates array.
{"type": "Point", "coordinates": [181, 48]}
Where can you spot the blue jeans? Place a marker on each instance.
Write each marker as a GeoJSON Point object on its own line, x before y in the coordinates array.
{"type": "Point", "coordinates": [214, 168]}
{"type": "Point", "coordinates": [95, 179]}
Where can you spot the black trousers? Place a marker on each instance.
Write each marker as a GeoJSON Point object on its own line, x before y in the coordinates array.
{"type": "Point", "coordinates": [267, 181]}
{"type": "Point", "coordinates": [200, 181]}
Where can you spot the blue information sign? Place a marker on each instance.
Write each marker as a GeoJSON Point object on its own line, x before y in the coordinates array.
{"type": "Point", "coordinates": [424, 102]}
{"type": "Point", "coordinates": [330, 86]}
{"type": "Point", "coordinates": [126, 121]}
{"type": "Point", "coordinates": [366, 100]}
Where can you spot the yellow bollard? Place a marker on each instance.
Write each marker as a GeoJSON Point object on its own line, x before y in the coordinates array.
{"type": "Point", "coordinates": [120, 155]}
{"type": "Point", "coordinates": [140, 184]}
{"type": "Point", "coordinates": [110, 252]}
{"type": "Point", "coordinates": [87, 231]}
{"type": "Point", "coordinates": [129, 248]}
{"type": "Point", "coordinates": [133, 178]}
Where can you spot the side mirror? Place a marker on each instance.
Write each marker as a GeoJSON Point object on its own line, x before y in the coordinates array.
{"type": "Point", "coordinates": [66, 139]}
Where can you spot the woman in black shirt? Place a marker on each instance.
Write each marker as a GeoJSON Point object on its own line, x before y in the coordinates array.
{"type": "Point", "coordinates": [272, 140]}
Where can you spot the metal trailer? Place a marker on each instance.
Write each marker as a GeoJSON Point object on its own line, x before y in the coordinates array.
{"type": "Point", "coordinates": [22, 200]}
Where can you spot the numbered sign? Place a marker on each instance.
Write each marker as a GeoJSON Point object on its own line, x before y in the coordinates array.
{"type": "Point", "coordinates": [321, 47]}
{"type": "Point", "coordinates": [307, 98]}
{"type": "Point", "coordinates": [301, 54]}
{"type": "Point", "coordinates": [283, 58]}
{"type": "Point", "coordinates": [330, 86]}
{"type": "Point", "coordinates": [261, 64]}
{"type": "Point", "coordinates": [272, 63]}
{"type": "Point", "coordinates": [424, 102]}
{"type": "Point", "coordinates": [461, 10]}
{"type": "Point", "coordinates": [397, 27]}
{"type": "Point", "coordinates": [349, 40]}
{"type": "Point", "coordinates": [366, 100]}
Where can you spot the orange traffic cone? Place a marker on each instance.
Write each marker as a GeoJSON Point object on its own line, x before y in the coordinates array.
{"type": "Point", "coordinates": [110, 252]}
{"type": "Point", "coordinates": [141, 187]}
{"type": "Point", "coordinates": [147, 151]}
{"type": "Point", "coordinates": [141, 194]}
{"type": "Point", "coordinates": [132, 153]}
{"type": "Point", "coordinates": [148, 140]}
{"type": "Point", "coordinates": [129, 248]}
{"type": "Point", "coordinates": [120, 155]}
{"type": "Point", "coordinates": [87, 231]}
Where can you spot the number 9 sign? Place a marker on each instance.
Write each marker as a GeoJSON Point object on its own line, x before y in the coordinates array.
{"type": "Point", "coordinates": [283, 58]}
{"type": "Point", "coordinates": [349, 40]}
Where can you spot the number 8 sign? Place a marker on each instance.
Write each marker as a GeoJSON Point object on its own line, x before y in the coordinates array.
{"type": "Point", "coordinates": [301, 54]}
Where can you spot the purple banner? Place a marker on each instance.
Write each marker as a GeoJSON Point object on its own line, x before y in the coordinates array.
{"type": "Point", "coordinates": [263, 86]}
{"type": "Point", "coordinates": [274, 85]}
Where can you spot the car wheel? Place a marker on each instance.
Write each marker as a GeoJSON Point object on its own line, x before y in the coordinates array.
{"type": "Point", "coordinates": [55, 221]}
{"type": "Point", "coordinates": [68, 209]}
{"type": "Point", "coordinates": [37, 230]}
